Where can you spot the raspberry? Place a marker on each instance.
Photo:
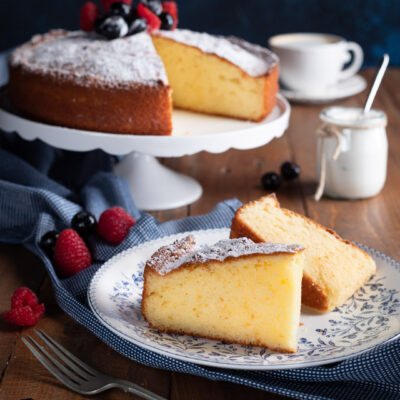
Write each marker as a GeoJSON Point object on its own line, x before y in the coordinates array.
{"type": "Point", "coordinates": [170, 7]}
{"type": "Point", "coordinates": [153, 22]}
{"type": "Point", "coordinates": [71, 254]}
{"type": "Point", "coordinates": [114, 225]}
{"type": "Point", "coordinates": [24, 316]}
{"type": "Point", "coordinates": [25, 308]}
{"type": "Point", "coordinates": [107, 3]}
{"type": "Point", "coordinates": [89, 13]}
{"type": "Point", "coordinates": [24, 297]}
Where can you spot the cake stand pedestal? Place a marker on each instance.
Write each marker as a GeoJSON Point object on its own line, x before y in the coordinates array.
{"type": "Point", "coordinates": [155, 187]}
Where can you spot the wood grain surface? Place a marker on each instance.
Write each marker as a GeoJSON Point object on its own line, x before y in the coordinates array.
{"type": "Point", "coordinates": [375, 222]}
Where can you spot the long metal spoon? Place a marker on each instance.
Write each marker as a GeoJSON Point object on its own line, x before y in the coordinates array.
{"type": "Point", "coordinates": [377, 82]}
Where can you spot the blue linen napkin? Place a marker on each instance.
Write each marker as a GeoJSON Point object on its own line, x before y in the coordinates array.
{"type": "Point", "coordinates": [41, 188]}
{"type": "Point", "coordinates": [3, 67]}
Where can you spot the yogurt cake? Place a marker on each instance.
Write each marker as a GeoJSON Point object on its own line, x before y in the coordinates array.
{"type": "Point", "coordinates": [333, 268]}
{"type": "Point", "coordinates": [80, 80]}
{"type": "Point", "coordinates": [235, 290]}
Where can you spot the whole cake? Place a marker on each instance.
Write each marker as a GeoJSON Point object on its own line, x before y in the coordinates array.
{"type": "Point", "coordinates": [235, 290]}
{"type": "Point", "coordinates": [333, 269]}
{"type": "Point", "coordinates": [120, 78]}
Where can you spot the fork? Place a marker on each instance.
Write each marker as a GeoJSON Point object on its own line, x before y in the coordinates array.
{"type": "Point", "coordinates": [77, 375]}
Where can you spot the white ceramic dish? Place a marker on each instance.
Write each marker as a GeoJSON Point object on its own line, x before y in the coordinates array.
{"type": "Point", "coordinates": [341, 90]}
{"type": "Point", "coordinates": [369, 318]}
{"type": "Point", "coordinates": [315, 61]}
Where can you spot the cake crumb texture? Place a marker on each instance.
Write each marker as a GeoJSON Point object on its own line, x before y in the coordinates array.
{"type": "Point", "coordinates": [334, 268]}
{"type": "Point", "coordinates": [217, 75]}
{"type": "Point", "coordinates": [251, 299]}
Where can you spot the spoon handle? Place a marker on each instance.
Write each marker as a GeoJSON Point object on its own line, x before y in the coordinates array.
{"type": "Point", "coordinates": [376, 83]}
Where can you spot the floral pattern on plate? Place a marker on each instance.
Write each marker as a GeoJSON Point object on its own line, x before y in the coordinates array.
{"type": "Point", "coordinates": [369, 318]}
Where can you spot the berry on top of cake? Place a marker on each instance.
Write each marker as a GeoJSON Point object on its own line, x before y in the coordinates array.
{"type": "Point", "coordinates": [121, 18]}
{"type": "Point", "coordinates": [235, 290]}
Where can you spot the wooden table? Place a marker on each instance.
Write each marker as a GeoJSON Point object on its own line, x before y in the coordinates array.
{"type": "Point", "coordinates": [375, 222]}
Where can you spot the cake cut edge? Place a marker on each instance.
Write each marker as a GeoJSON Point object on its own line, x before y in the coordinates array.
{"type": "Point", "coordinates": [313, 295]}
{"type": "Point", "coordinates": [189, 242]}
{"type": "Point", "coordinates": [269, 79]}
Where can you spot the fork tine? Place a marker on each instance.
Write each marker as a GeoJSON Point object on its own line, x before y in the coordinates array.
{"type": "Point", "coordinates": [84, 374]}
{"type": "Point", "coordinates": [66, 371]}
{"type": "Point", "coordinates": [65, 352]}
{"type": "Point", "coordinates": [62, 378]}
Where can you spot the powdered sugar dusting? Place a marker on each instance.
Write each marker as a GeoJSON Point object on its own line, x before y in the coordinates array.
{"type": "Point", "coordinates": [171, 257]}
{"type": "Point", "coordinates": [253, 59]}
{"type": "Point", "coordinates": [89, 59]}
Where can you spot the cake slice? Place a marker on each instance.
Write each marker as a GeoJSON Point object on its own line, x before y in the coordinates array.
{"type": "Point", "coordinates": [333, 269]}
{"type": "Point", "coordinates": [218, 75]}
{"type": "Point", "coordinates": [235, 291]}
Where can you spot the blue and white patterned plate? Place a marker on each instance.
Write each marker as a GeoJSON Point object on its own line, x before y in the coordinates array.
{"type": "Point", "coordinates": [369, 318]}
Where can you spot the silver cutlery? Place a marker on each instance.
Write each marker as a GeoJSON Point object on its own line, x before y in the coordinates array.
{"type": "Point", "coordinates": [376, 83]}
{"type": "Point", "coordinates": [75, 374]}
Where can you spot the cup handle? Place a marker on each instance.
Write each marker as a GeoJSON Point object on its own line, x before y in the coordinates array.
{"type": "Point", "coordinates": [358, 58]}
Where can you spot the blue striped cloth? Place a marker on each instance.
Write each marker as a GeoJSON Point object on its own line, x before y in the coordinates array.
{"type": "Point", "coordinates": [41, 188]}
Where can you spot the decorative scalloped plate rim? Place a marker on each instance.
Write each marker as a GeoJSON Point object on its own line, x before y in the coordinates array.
{"type": "Point", "coordinates": [99, 291]}
{"type": "Point", "coordinates": [192, 132]}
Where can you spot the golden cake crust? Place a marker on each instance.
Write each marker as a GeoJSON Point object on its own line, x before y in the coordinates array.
{"type": "Point", "coordinates": [184, 254]}
{"type": "Point", "coordinates": [312, 294]}
{"type": "Point", "coordinates": [85, 94]}
{"type": "Point", "coordinates": [140, 110]}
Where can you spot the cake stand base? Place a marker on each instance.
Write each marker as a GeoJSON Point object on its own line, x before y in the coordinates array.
{"type": "Point", "coordinates": [155, 187]}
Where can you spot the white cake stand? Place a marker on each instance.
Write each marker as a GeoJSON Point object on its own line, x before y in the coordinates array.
{"type": "Point", "coordinates": [155, 187]}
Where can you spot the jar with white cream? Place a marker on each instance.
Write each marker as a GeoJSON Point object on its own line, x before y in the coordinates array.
{"type": "Point", "coordinates": [352, 153]}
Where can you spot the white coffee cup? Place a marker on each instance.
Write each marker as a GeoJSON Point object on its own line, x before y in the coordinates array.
{"type": "Point", "coordinates": [310, 62]}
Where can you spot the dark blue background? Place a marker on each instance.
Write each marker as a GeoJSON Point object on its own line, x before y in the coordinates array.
{"type": "Point", "coordinates": [375, 24]}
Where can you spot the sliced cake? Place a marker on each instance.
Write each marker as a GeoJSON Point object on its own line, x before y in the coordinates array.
{"type": "Point", "coordinates": [117, 73]}
{"type": "Point", "coordinates": [333, 269]}
{"type": "Point", "coordinates": [218, 75]}
{"type": "Point", "coordinates": [235, 291]}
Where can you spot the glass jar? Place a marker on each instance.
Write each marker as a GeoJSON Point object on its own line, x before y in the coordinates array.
{"type": "Point", "coordinates": [352, 153]}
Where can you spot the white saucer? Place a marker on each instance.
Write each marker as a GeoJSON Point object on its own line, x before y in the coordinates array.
{"type": "Point", "coordinates": [369, 318]}
{"type": "Point", "coordinates": [349, 87]}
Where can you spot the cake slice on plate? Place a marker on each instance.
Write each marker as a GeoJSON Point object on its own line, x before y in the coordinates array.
{"type": "Point", "coordinates": [333, 269]}
{"type": "Point", "coordinates": [218, 75]}
{"type": "Point", "coordinates": [235, 290]}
